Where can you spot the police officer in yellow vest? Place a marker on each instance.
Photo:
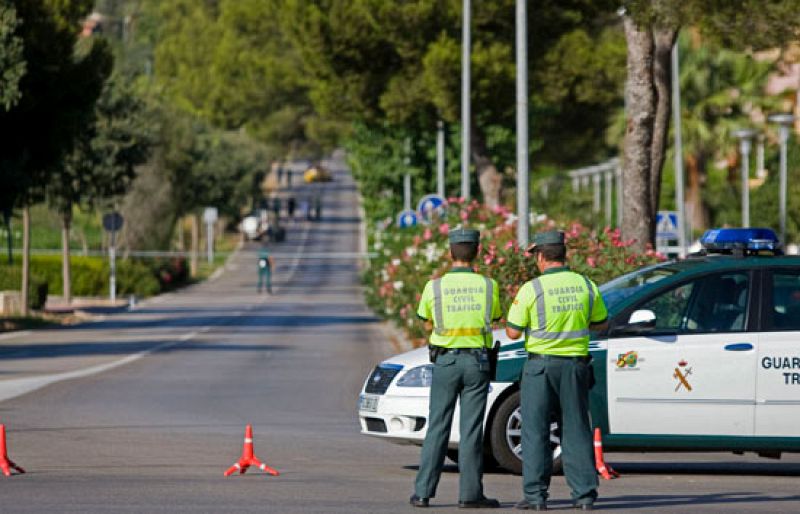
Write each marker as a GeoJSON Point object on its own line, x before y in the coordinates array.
{"type": "Point", "coordinates": [556, 311]}
{"type": "Point", "coordinates": [462, 305]}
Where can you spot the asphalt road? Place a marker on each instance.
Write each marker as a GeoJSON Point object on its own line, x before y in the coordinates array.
{"type": "Point", "coordinates": [144, 411]}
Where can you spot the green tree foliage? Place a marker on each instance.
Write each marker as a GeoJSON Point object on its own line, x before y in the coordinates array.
{"type": "Point", "coordinates": [57, 93]}
{"type": "Point", "coordinates": [229, 63]}
{"type": "Point", "coordinates": [721, 91]}
{"type": "Point", "coordinates": [105, 155]}
{"type": "Point", "coordinates": [400, 63]}
{"type": "Point", "coordinates": [651, 27]}
{"type": "Point", "coordinates": [12, 63]}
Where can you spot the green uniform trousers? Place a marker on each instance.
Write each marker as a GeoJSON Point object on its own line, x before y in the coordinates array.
{"type": "Point", "coordinates": [455, 376]}
{"type": "Point", "coordinates": [548, 385]}
{"type": "Point", "coordinates": [265, 279]}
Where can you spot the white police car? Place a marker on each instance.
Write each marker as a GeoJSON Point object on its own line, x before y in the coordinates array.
{"type": "Point", "coordinates": [701, 354]}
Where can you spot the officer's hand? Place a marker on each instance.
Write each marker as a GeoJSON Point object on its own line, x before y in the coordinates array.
{"type": "Point", "coordinates": [513, 333]}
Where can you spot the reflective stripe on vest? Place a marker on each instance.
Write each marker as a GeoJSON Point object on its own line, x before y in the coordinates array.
{"type": "Point", "coordinates": [540, 331]}
{"type": "Point", "coordinates": [438, 313]}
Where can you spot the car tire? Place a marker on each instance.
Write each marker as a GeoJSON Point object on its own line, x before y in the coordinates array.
{"type": "Point", "coordinates": [505, 437]}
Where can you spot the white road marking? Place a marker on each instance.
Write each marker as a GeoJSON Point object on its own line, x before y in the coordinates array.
{"type": "Point", "coordinates": [19, 386]}
{"type": "Point", "coordinates": [11, 335]}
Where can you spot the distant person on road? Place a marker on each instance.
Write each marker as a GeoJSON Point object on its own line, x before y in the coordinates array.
{"type": "Point", "coordinates": [317, 207]}
{"type": "Point", "coordinates": [290, 206]}
{"type": "Point", "coordinates": [265, 266]}
{"type": "Point", "coordinates": [276, 207]}
{"type": "Point", "coordinates": [462, 305]}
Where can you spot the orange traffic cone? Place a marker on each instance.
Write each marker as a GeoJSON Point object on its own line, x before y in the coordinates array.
{"type": "Point", "coordinates": [605, 471]}
{"type": "Point", "coordinates": [248, 457]}
{"type": "Point", "coordinates": [6, 464]}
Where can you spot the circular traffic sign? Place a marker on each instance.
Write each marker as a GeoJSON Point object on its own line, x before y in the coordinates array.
{"type": "Point", "coordinates": [112, 221]}
{"type": "Point", "coordinates": [430, 204]}
{"type": "Point", "coordinates": [407, 219]}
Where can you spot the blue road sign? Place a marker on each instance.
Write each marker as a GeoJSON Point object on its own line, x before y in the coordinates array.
{"type": "Point", "coordinates": [667, 225]}
{"type": "Point", "coordinates": [430, 204]}
{"type": "Point", "coordinates": [407, 219]}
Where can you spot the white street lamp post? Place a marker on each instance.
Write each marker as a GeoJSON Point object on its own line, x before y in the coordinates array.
{"type": "Point", "coordinates": [465, 98]}
{"type": "Point", "coordinates": [784, 122]}
{"type": "Point", "coordinates": [745, 137]}
{"type": "Point", "coordinates": [523, 188]}
{"type": "Point", "coordinates": [440, 158]}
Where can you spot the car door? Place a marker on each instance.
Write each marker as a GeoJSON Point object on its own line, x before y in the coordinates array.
{"type": "Point", "coordinates": [694, 372]}
{"type": "Point", "coordinates": [778, 375]}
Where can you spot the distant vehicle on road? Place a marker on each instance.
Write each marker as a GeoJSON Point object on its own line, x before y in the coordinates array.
{"type": "Point", "coordinates": [700, 355]}
{"type": "Point", "coordinates": [250, 227]}
{"type": "Point", "coordinates": [317, 173]}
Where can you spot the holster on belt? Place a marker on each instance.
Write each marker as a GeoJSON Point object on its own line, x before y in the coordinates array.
{"type": "Point", "coordinates": [493, 353]}
{"type": "Point", "coordinates": [434, 352]}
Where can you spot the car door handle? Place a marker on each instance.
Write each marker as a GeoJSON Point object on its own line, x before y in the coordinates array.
{"type": "Point", "coordinates": [738, 347]}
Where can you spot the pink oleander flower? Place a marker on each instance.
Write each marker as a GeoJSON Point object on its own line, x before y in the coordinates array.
{"type": "Point", "coordinates": [444, 229]}
{"type": "Point", "coordinates": [464, 215]}
{"type": "Point", "coordinates": [509, 245]}
{"type": "Point", "coordinates": [591, 262]}
{"type": "Point", "coordinates": [427, 235]}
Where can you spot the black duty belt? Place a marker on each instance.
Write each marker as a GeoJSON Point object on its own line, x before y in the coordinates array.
{"type": "Point", "coordinates": [456, 351]}
{"type": "Point", "coordinates": [579, 358]}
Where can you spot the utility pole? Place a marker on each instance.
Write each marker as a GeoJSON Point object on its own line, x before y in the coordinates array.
{"type": "Point", "coordinates": [784, 122]}
{"type": "Point", "coordinates": [745, 137]}
{"type": "Point", "coordinates": [407, 176]}
{"type": "Point", "coordinates": [440, 158]}
{"type": "Point", "coordinates": [680, 203]}
{"type": "Point", "coordinates": [466, 92]}
{"type": "Point", "coordinates": [523, 188]}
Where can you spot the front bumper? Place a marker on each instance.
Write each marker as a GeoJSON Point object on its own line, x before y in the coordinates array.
{"type": "Point", "coordinates": [400, 419]}
{"type": "Point", "coordinates": [404, 419]}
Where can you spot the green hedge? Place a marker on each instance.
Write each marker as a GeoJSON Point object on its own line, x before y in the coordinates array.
{"type": "Point", "coordinates": [90, 276]}
{"type": "Point", "coordinates": [11, 280]}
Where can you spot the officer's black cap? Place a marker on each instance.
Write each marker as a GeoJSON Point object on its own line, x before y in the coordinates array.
{"type": "Point", "coordinates": [551, 237]}
{"type": "Point", "coordinates": [464, 235]}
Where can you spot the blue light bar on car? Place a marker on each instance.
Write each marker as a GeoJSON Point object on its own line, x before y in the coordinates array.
{"type": "Point", "coordinates": [724, 240]}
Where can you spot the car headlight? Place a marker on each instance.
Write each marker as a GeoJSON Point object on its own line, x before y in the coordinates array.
{"type": "Point", "coordinates": [420, 376]}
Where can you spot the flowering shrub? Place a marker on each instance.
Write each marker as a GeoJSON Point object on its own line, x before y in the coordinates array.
{"type": "Point", "coordinates": [406, 258]}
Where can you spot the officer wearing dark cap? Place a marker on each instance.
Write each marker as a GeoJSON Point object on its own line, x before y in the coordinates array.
{"type": "Point", "coordinates": [556, 311]}
{"type": "Point", "coordinates": [459, 307]}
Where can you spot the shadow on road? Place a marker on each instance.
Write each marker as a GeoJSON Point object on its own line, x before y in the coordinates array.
{"type": "Point", "coordinates": [664, 501]}
{"type": "Point", "coordinates": [709, 468]}
{"type": "Point", "coordinates": [238, 322]}
{"type": "Point", "coordinates": [36, 351]}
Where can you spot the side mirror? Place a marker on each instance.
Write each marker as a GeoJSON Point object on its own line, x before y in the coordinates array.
{"type": "Point", "coordinates": [639, 322]}
{"type": "Point", "coordinates": [643, 318]}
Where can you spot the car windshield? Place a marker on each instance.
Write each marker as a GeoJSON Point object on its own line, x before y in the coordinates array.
{"type": "Point", "coordinates": [622, 287]}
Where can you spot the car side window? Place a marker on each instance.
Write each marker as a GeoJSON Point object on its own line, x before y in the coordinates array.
{"type": "Point", "coordinates": [785, 311]}
{"type": "Point", "coordinates": [719, 304]}
{"type": "Point", "coordinates": [670, 307]}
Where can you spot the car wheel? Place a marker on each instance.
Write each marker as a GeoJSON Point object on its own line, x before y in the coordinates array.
{"type": "Point", "coordinates": [505, 437]}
